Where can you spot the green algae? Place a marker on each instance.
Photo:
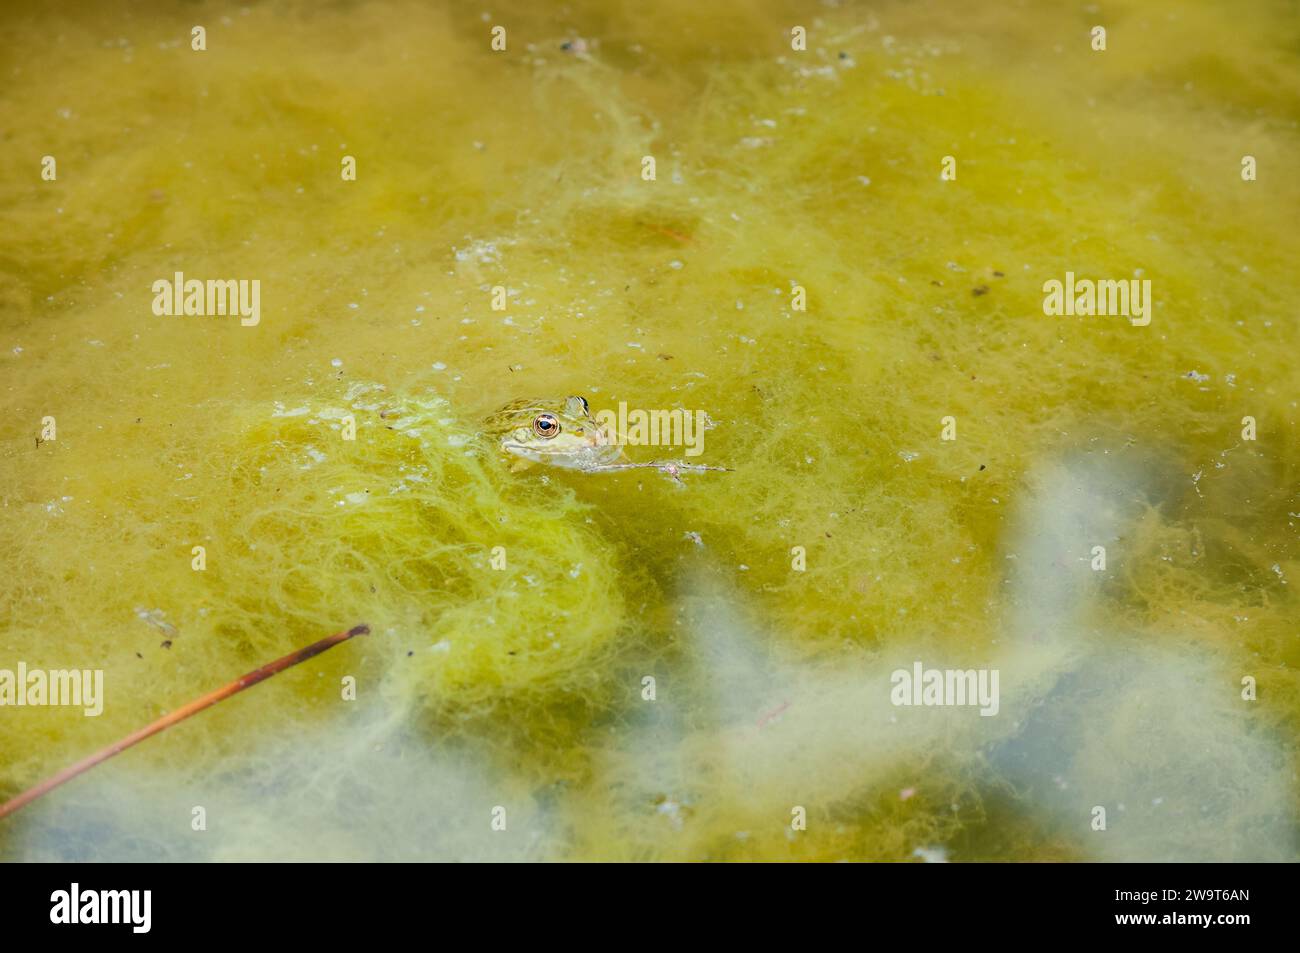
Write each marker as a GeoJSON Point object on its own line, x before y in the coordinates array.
{"type": "Point", "coordinates": [523, 686]}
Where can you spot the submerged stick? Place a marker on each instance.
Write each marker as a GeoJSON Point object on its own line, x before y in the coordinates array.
{"type": "Point", "coordinates": [180, 714]}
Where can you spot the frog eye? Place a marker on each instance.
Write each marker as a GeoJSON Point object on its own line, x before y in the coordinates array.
{"type": "Point", "coordinates": [545, 425]}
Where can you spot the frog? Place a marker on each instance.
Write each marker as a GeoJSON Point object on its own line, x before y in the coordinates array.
{"type": "Point", "coordinates": [552, 431]}
{"type": "Point", "coordinates": [561, 432]}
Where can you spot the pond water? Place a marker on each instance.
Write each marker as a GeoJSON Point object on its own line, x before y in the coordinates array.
{"type": "Point", "coordinates": [838, 266]}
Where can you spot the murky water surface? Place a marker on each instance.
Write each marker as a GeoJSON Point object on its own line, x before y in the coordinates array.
{"type": "Point", "coordinates": [646, 669]}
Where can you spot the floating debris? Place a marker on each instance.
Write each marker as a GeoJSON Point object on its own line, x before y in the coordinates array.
{"type": "Point", "coordinates": [154, 617]}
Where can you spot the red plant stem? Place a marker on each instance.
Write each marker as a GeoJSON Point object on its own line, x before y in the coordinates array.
{"type": "Point", "coordinates": [180, 714]}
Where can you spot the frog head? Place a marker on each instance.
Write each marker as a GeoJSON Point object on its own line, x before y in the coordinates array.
{"type": "Point", "coordinates": [556, 432]}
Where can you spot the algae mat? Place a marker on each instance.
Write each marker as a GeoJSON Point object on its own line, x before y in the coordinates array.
{"type": "Point", "coordinates": [828, 235]}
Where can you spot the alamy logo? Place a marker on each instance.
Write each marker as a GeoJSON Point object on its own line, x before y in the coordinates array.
{"type": "Point", "coordinates": [1129, 298]}
{"type": "Point", "coordinates": [77, 688]}
{"type": "Point", "coordinates": [655, 428]}
{"type": "Point", "coordinates": [228, 296]}
{"type": "Point", "coordinates": [946, 687]}
{"type": "Point", "coordinates": [103, 906]}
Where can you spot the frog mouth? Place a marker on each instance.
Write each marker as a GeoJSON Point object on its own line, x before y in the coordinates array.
{"type": "Point", "coordinates": [592, 439]}
{"type": "Point", "coordinates": [572, 458]}
{"type": "Point", "coordinates": [519, 450]}
{"type": "Point", "coordinates": [541, 454]}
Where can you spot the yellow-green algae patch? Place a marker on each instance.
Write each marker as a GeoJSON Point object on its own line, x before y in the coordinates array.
{"type": "Point", "coordinates": [524, 687]}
